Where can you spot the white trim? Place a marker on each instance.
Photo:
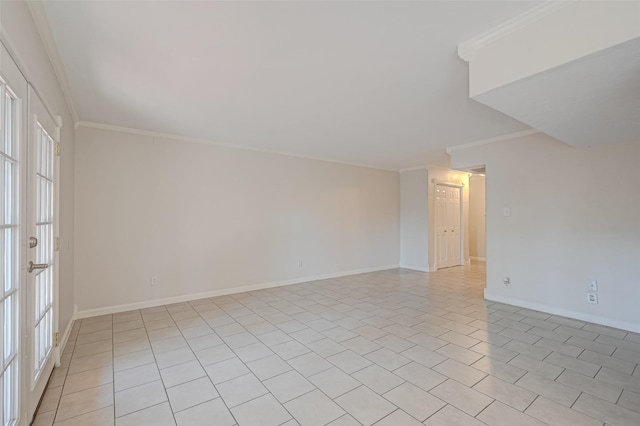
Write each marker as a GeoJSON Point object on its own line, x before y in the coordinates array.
{"type": "Point", "coordinates": [478, 259]}
{"type": "Point", "coordinates": [221, 292]}
{"type": "Point", "coordinates": [48, 40]}
{"type": "Point", "coordinates": [413, 169]}
{"type": "Point", "coordinates": [161, 135]}
{"type": "Point", "coordinates": [447, 183]}
{"type": "Point", "coordinates": [467, 49]}
{"type": "Point", "coordinates": [501, 138]}
{"type": "Point", "coordinates": [416, 268]}
{"type": "Point", "coordinates": [596, 319]}
{"type": "Point", "coordinates": [19, 62]}
{"type": "Point", "coordinates": [67, 332]}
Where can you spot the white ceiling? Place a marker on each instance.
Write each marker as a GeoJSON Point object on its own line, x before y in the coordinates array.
{"type": "Point", "coordinates": [375, 83]}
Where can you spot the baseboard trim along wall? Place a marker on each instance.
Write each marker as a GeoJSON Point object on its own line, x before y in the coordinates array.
{"type": "Point", "coordinates": [416, 268]}
{"type": "Point", "coordinates": [478, 259]}
{"type": "Point", "coordinates": [553, 310]}
{"type": "Point", "coordinates": [221, 292]}
{"type": "Point", "coordinates": [67, 332]}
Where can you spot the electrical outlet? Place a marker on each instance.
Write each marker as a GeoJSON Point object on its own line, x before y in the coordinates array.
{"type": "Point", "coordinates": [154, 281]}
{"type": "Point", "coordinates": [592, 298]}
{"type": "Point", "coordinates": [593, 285]}
{"type": "Point", "coordinates": [506, 281]}
{"type": "Point", "coordinates": [299, 263]}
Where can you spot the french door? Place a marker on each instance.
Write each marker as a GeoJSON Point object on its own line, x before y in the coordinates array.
{"type": "Point", "coordinates": [41, 255]}
{"type": "Point", "coordinates": [10, 288]}
{"type": "Point", "coordinates": [28, 260]}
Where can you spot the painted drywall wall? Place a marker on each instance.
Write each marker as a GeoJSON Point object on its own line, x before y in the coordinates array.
{"type": "Point", "coordinates": [19, 32]}
{"type": "Point", "coordinates": [206, 218]}
{"type": "Point", "coordinates": [447, 175]}
{"type": "Point", "coordinates": [574, 218]}
{"type": "Point", "coordinates": [477, 234]}
{"type": "Point", "coordinates": [414, 223]}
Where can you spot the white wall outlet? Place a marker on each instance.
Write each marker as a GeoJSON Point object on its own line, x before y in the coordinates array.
{"type": "Point", "coordinates": [506, 281]}
{"type": "Point", "coordinates": [299, 263]}
{"type": "Point", "coordinates": [592, 298]}
{"type": "Point", "coordinates": [506, 212]}
{"type": "Point", "coordinates": [154, 281]}
{"type": "Point", "coordinates": [593, 285]}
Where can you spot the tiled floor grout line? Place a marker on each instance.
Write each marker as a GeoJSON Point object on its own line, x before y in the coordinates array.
{"type": "Point", "coordinates": [113, 367]}
{"type": "Point", "coordinates": [484, 409]}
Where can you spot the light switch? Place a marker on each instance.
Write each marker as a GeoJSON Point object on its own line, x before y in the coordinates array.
{"type": "Point", "coordinates": [506, 212]}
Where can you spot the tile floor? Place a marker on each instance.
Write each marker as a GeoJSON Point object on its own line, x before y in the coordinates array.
{"type": "Point", "coordinates": [390, 348]}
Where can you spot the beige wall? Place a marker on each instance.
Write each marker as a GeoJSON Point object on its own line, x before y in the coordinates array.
{"type": "Point", "coordinates": [204, 218]}
{"type": "Point", "coordinates": [574, 218]}
{"type": "Point", "coordinates": [20, 34]}
{"type": "Point", "coordinates": [477, 236]}
{"type": "Point", "coordinates": [414, 220]}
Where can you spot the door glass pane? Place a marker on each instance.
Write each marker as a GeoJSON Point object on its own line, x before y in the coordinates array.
{"type": "Point", "coordinates": [45, 155]}
{"type": "Point", "coordinates": [8, 258]}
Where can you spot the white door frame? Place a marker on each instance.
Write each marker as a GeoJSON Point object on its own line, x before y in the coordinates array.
{"type": "Point", "coordinates": [460, 187]}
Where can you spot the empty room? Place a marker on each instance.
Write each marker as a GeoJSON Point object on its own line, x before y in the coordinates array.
{"type": "Point", "coordinates": [265, 213]}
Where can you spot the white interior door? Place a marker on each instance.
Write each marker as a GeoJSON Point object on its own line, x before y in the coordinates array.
{"type": "Point", "coordinates": [448, 225]}
{"type": "Point", "coordinates": [453, 214]}
{"type": "Point", "coordinates": [442, 241]}
{"type": "Point", "coordinates": [12, 93]}
{"type": "Point", "coordinates": [41, 257]}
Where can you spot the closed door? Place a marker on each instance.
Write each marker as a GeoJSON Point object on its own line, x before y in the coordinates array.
{"type": "Point", "coordinates": [453, 216]}
{"type": "Point", "coordinates": [28, 260]}
{"type": "Point", "coordinates": [41, 259]}
{"type": "Point", "coordinates": [12, 86]}
{"type": "Point", "coordinates": [448, 226]}
{"type": "Point", "coordinates": [442, 240]}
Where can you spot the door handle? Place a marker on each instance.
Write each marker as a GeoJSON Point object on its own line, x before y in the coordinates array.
{"type": "Point", "coordinates": [33, 241]}
{"type": "Point", "coordinates": [34, 266]}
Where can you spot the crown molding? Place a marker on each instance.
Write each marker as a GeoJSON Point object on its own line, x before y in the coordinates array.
{"type": "Point", "coordinates": [413, 169]}
{"type": "Point", "coordinates": [508, 136]}
{"type": "Point", "coordinates": [39, 15]}
{"type": "Point", "coordinates": [467, 49]}
{"type": "Point", "coordinates": [161, 135]}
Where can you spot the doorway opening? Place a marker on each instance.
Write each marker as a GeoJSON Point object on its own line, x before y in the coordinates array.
{"type": "Point", "coordinates": [477, 217]}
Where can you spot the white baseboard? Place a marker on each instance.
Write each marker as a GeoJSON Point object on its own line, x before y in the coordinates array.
{"type": "Point", "coordinates": [87, 313]}
{"type": "Point", "coordinates": [416, 268]}
{"type": "Point", "coordinates": [67, 331]}
{"type": "Point", "coordinates": [478, 259]}
{"type": "Point", "coordinates": [554, 310]}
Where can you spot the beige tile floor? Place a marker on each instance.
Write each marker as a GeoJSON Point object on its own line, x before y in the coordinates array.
{"type": "Point", "coordinates": [393, 348]}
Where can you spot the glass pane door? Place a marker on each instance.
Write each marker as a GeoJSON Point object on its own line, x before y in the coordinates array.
{"type": "Point", "coordinates": [43, 319]}
{"type": "Point", "coordinates": [9, 273]}
{"type": "Point", "coordinates": [41, 258]}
